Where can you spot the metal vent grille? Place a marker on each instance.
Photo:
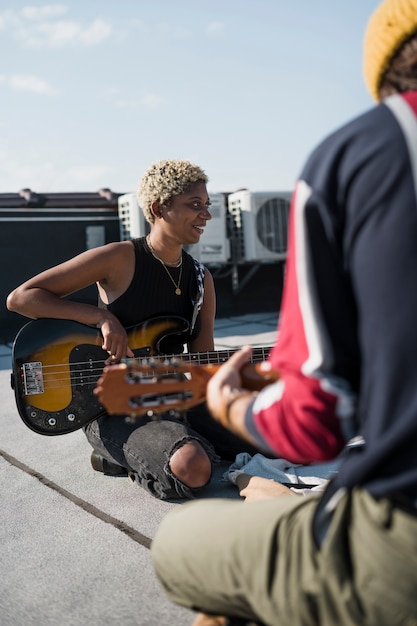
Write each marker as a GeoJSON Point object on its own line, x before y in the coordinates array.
{"type": "Point", "coordinates": [132, 222]}
{"type": "Point", "coordinates": [235, 229]}
{"type": "Point", "coordinates": [272, 224]}
{"type": "Point", "coordinates": [124, 221]}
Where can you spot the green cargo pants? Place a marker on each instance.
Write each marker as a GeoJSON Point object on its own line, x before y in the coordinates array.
{"type": "Point", "coordinates": [259, 561]}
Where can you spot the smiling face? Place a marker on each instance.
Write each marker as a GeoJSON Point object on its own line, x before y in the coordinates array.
{"type": "Point", "coordinates": [187, 213]}
{"type": "Point", "coordinates": [164, 180]}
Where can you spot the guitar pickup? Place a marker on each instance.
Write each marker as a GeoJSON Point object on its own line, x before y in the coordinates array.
{"type": "Point", "coordinates": [32, 378]}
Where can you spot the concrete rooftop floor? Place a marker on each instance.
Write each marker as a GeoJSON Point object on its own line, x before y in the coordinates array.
{"type": "Point", "coordinates": [75, 543]}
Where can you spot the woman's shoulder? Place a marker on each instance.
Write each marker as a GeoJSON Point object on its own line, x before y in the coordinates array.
{"type": "Point", "coordinates": [117, 253]}
{"type": "Point", "coordinates": [120, 248]}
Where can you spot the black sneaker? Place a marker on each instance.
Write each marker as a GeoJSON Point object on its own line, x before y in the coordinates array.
{"type": "Point", "coordinates": [100, 464]}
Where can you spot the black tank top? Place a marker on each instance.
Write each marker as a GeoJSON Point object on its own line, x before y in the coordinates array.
{"type": "Point", "coordinates": [152, 294]}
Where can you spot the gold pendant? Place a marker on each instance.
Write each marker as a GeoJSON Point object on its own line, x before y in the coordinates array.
{"type": "Point", "coordinates": [178, 291]}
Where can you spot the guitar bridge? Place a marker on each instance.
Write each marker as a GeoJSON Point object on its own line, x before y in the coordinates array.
{"type": "Point", "coordinates": [32, 378]}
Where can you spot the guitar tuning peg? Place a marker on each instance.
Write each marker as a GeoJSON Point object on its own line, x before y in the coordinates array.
{"type": "Point", "coordinates": [131, 377]}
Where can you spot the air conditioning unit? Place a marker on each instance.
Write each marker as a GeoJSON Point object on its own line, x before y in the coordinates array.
{"type": "Point", "coordinates": [214, 244]}
{"type": "Point", "coordinates": [259, 225]}
{"type": "Point", "coordinates": [131, 219]}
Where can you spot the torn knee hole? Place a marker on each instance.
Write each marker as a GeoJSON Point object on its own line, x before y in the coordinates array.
{"type": "Point", "coordinates": [191, 464]}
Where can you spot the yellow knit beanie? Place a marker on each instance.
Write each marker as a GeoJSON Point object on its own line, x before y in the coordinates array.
{"type": "Point", "coordinates": [390, 25]}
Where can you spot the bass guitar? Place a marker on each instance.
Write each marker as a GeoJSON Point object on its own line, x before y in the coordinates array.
{"type": "Point", "coordinates": [56, 365]}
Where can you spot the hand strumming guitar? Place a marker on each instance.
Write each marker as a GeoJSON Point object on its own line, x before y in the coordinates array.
{"type": "Point", "coordinates": [227, 400]}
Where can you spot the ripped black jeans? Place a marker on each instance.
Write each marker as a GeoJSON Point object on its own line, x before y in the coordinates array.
{"type": "Point", "coordinates": [145, 447]}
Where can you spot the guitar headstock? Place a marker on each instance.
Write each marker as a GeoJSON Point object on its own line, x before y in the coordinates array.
{"type": "Point", "coordinates": [152, 386]}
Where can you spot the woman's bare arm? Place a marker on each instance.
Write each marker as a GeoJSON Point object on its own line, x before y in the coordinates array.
{"type": "Point", "coordinates": [205, 340]}
{"type": "Point", "coordinates": [44, 294]}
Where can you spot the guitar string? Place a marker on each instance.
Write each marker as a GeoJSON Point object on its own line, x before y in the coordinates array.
{"type": "Point", "coordinates": [218, 356]}
{"type": "Point", "coordinates": [215, 356]}
{"type": "Point", "coordinates": [91, 376]}
{"type": "Point", "coordinates": [210, 358]}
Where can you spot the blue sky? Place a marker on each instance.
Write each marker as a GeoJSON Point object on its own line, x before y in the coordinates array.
{"type": "Point", "coordinates": [93, 92]}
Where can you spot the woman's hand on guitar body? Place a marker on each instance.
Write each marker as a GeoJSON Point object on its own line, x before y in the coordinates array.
{"type": "Point", "coordinates": [115, 341]}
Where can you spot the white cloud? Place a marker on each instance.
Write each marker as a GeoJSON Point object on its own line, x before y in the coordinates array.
{"type": "Point", "coordinates": [45, 12]}
{"type": "Point", "coordinates": [41, 27]}
{"type": "Point", "coordinates": [95, 33]}
{"type": "Point", "coordinates": [59, 33]}
{"type": "Point", "coordinates": [215, 29]}
{"type": "Point", "coordinates": [151, 100]}
{"type": "Point", "coordinates": [50, 34]}
{"type": "Point", "coordinates": [127, 104]}
{"type": "Point", "coordinates": [21, 82]}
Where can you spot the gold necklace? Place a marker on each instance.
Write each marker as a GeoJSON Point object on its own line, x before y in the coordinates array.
{"type": "Point", "coordinates": [179, 264]}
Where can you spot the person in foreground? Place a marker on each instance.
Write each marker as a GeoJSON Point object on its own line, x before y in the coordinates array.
{"type": "Point", "coordinates": [139, 281]}
{"type": "Point", "coordinates": [347, 354]}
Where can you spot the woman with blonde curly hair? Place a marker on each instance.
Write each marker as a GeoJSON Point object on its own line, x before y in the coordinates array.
{"type": "Point", "coordinates": [138, 280]}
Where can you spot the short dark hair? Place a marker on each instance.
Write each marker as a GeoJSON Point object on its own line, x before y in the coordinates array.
{"type": "Point", "coordinates": [401, 74]}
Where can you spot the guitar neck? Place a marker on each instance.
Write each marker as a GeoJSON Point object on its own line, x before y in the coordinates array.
{"type": "Point", "coordinates": [157, 386]}
{"type": "Point", "coordinates": [221, 356]}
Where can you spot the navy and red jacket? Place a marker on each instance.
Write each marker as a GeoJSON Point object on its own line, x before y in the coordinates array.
{"type": "Point", "coordinates": [347, 333]}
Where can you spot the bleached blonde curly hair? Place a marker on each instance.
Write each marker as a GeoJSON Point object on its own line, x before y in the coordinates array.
{"type": "Point", "coordinates": [166, 179]}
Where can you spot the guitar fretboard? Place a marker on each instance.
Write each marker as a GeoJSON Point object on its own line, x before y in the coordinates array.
{"type": "Point", "coordinates": [220, 356]}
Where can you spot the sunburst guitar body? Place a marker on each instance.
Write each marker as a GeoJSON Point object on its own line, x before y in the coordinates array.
{"type": "Point", "coordinates": [57, 363]}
